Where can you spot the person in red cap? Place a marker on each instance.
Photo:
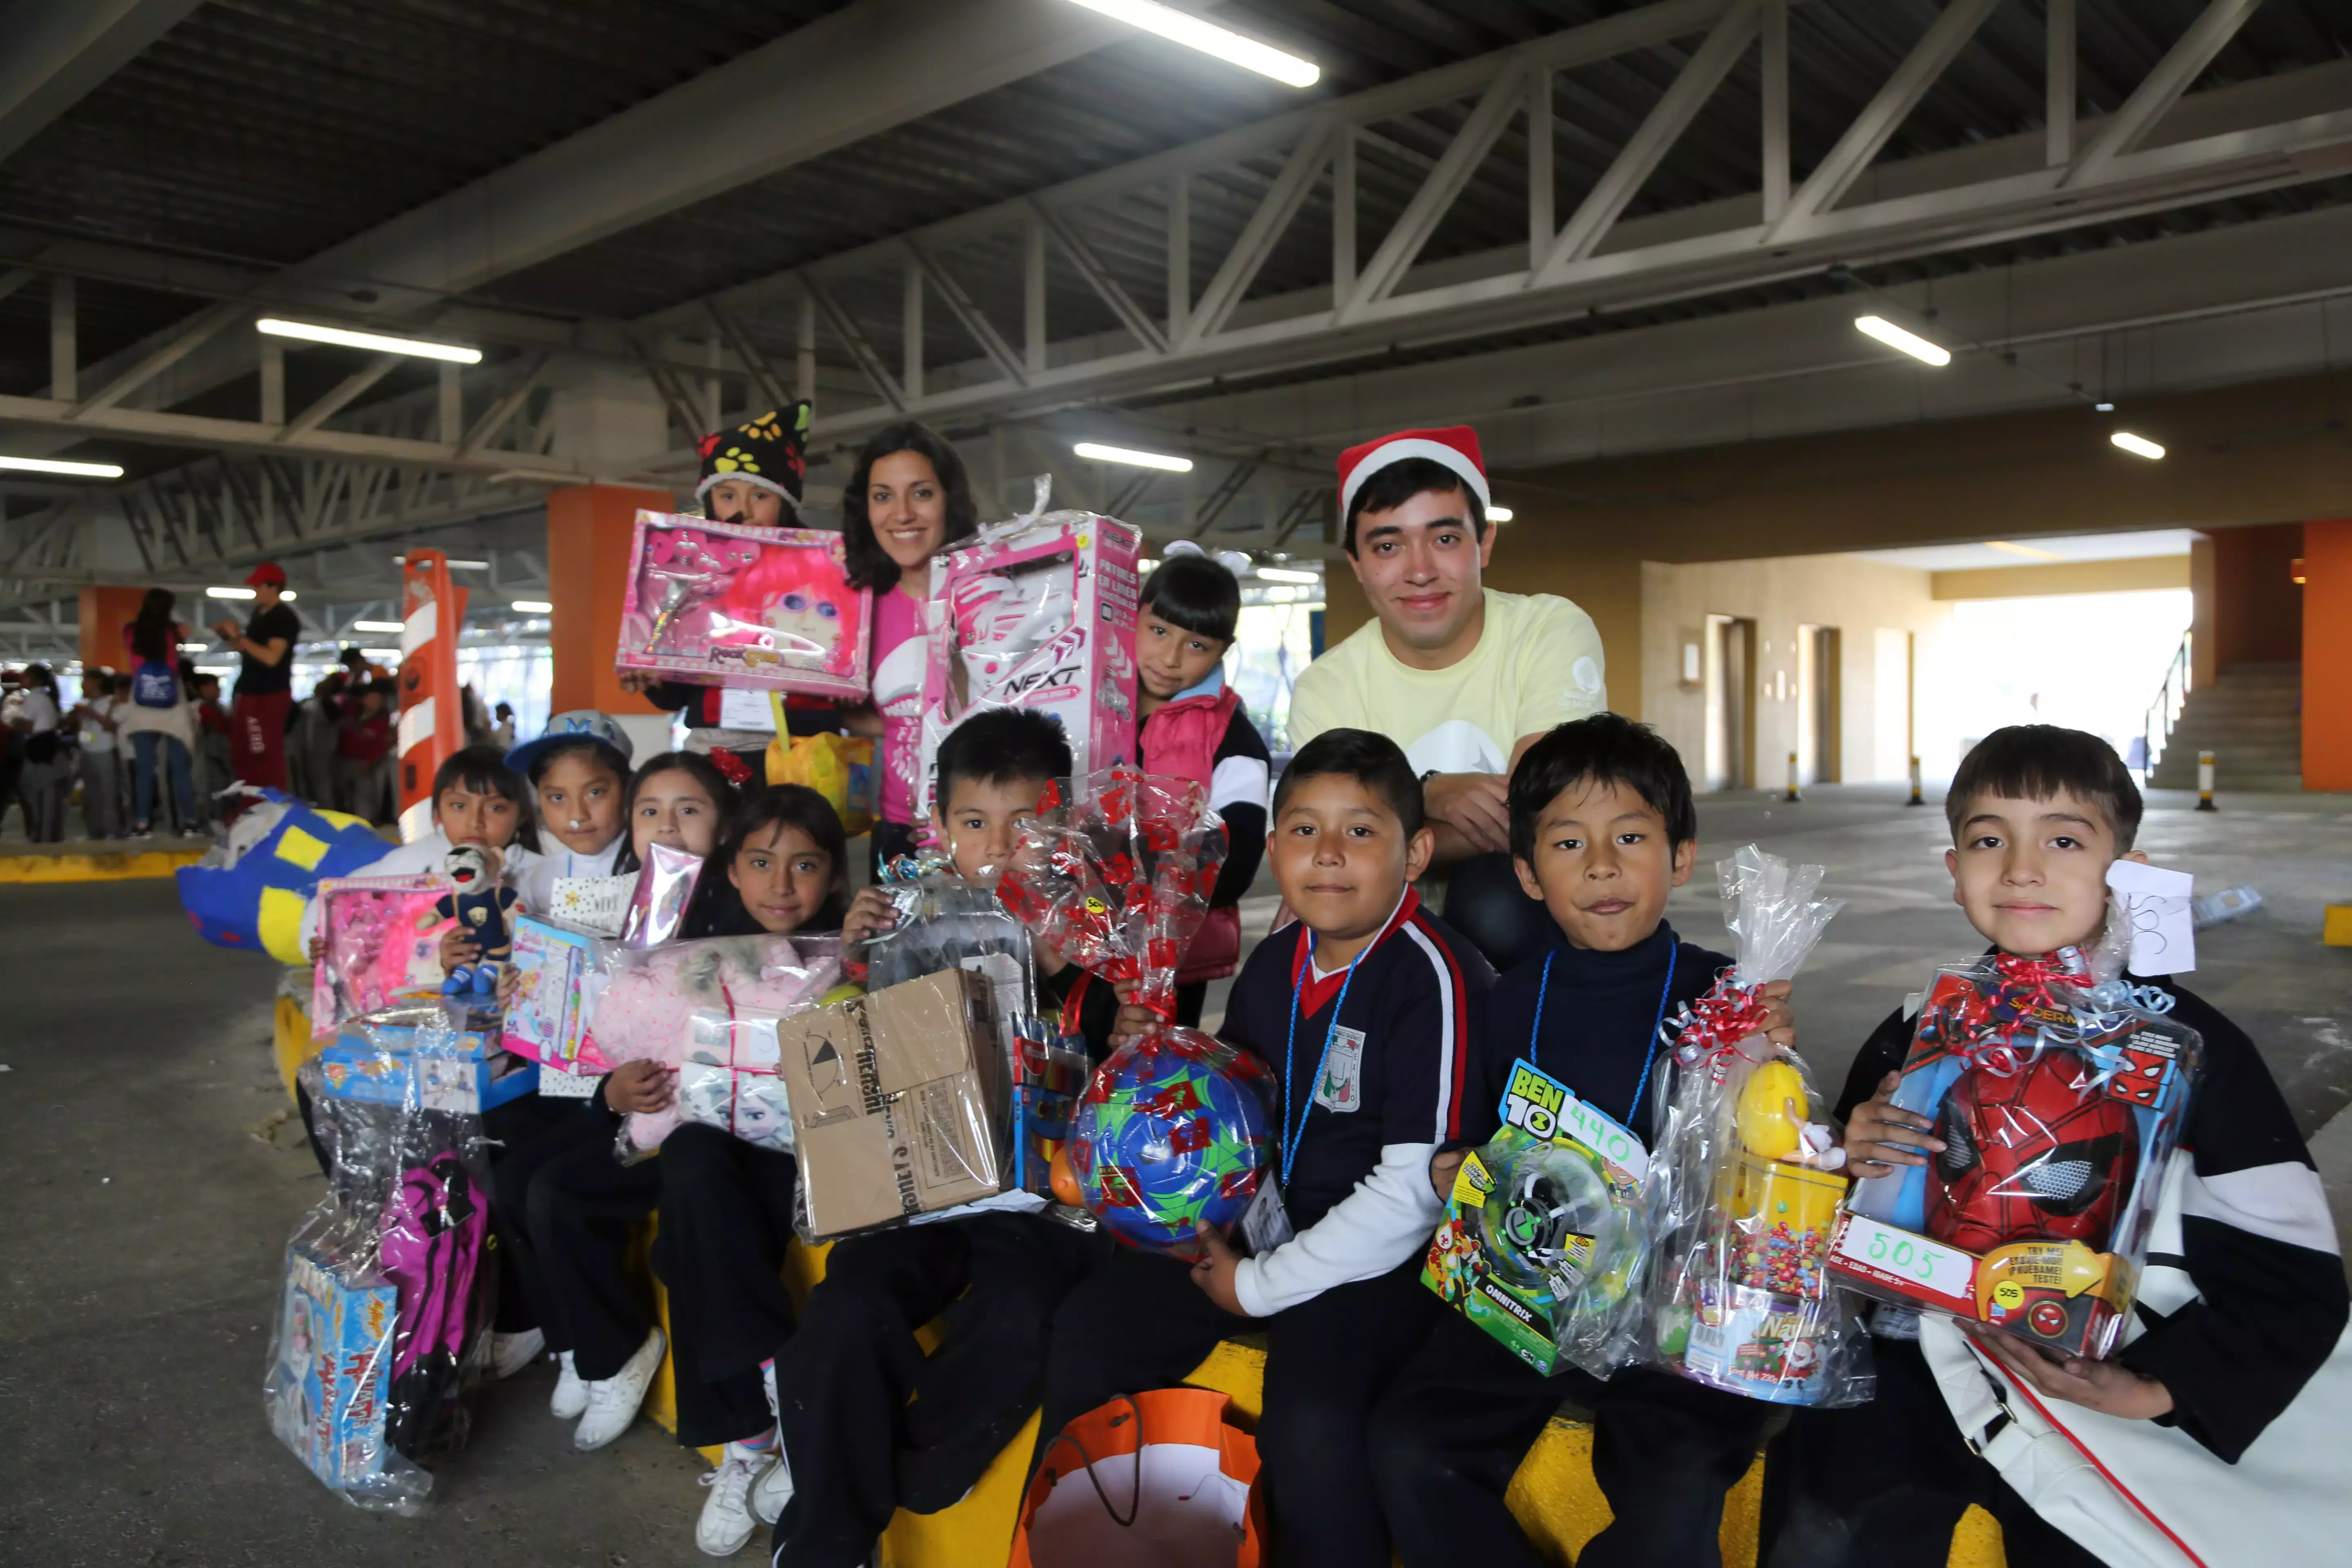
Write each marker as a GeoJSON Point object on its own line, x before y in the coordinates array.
{"type": "Point", "coordinates": [265, 682]}
{"type": "Point", "coordinates": [1462, 676]}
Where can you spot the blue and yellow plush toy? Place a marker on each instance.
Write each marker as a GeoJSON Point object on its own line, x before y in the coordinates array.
{"type": "Point", "coordinates": [255, 902]}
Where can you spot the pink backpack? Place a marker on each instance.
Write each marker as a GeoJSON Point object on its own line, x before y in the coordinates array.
{"type": "Point", "coordinates": [432, 1244]}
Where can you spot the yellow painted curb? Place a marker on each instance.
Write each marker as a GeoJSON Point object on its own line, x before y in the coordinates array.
{"type": "Point", "coordinates": [95, 868]}
{"type": "Point", "coordinates": [2337, 931]}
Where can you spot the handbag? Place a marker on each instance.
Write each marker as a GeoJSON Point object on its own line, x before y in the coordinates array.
{"type": "Point", "coordinates": [2141, 1495]}
{"type": "Point", "coordinates": [1158, 1480]}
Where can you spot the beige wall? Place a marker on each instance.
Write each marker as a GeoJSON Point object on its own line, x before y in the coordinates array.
{"type": "Point", "coordinates": [1860, 598]}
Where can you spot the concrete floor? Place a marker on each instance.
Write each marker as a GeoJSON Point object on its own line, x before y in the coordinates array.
{"type": "Point", "coordinates": [155, 1177]}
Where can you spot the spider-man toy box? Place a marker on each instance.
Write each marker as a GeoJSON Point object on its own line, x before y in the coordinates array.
{"type": "Point", "coordinates": [722, 604]}
{"type": "Point", "coordinates": [1035, 613]}
{"type": "Point", "coordinates": [2059, 1102]}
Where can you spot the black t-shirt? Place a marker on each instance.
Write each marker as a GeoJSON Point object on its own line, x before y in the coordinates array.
{"type": "Point", "coordinates": [257, 678]}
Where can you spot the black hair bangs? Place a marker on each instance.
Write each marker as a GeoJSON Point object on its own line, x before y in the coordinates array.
{"type": "Point", "coordinates": [1398, 483]}
{"type": "Point", "coordinates": [2041, 761]}
{"type": "Point", "coordinates": [1195, 594]}
{"type": "Point", "coordinates": [1607, 749]}
{"type": "Point", "coordinates": [999, 746]}
{"type": "Point", "coordinates": [1370, 759]}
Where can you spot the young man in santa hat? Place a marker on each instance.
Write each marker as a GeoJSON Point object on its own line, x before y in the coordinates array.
{"type": "Point", "coordinates": [1462, 676]}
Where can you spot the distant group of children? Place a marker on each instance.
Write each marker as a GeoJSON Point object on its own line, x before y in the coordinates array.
{"type": "Point", "coordinates": [1391, 1424]}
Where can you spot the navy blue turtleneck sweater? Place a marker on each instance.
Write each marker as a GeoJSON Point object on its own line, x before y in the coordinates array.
{"type": "Point", "coordinates": [1597, 1031]}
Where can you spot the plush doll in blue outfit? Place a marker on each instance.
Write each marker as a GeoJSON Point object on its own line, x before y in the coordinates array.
{"type": "Point", "coordinates": [479, 907]}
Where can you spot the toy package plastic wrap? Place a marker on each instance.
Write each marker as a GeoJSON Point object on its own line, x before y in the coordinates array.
{"type": "Point", "coordinates": [462, 1067]}
{"type": "Point", "coordinates": [663, 894]}
{"type": "Point", "coordinates": [891, 1095]}
{"type": "Point", "coordinates": [1037, 612]}
{"type": "Point", "coordinates": [382, 1337]}
{"type": "Point", "coordinates": [728, 1079]}
{"type": "Point", "coordinates": [560, 974]}
{"type": "Point", "coordinates": [382, 937]}
{"type": "Point", "coordinates": [946, 923]}
{"type": "Point", "coordinates": [1545, 1241]}
{"type": "Point", "coordinates": [1744, 1186]}
{"type": "Point", "coordinates": [649, 1007]}
{"type": "Point", "coordinates": [2059, 1088]}
{"type": "Point", "coordinates": [722, 604]}
{"type": "Point", "coordinates": [1171, 1132]}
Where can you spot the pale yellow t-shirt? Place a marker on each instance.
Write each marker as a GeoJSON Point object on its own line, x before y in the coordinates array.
{"type": "Point", "coordinates": [1538, 664]}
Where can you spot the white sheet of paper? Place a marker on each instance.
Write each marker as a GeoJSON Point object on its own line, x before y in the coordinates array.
{"type": "Point", "coordinates": [2155, 901]}
{"type": "Point", "coordinates": [745, 711]}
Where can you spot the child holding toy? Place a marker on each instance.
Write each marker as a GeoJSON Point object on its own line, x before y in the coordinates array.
{"type": "Point", "coordinates": [751, 474]}
{"type": "Point", "coordinates": [1195, 727]}
{"type": "Point", "coordinates": [1363, 1011]}
{"type": "Point", "coordinates": [1603, 827]}
{"type": "Point", "coordinates": [907, 498]}
{"type": "Point", "coordinates": [2037, 815]}
{"type": "Point", "coordinates": [576, 1204]}
{"type": "Point", "coordinates": [727, 1204]}
{"type": "Point", "coordinates": [579, 770]}
{"type": "Point", "coordinates": [870, 1423]}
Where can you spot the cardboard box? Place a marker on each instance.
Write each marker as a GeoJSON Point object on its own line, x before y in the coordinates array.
{"type": "Point", "coordinates": [890, 1095]}
{"type": "Point", "coordinates": [1038, 614]}
{"type": "Point", "coordinates": [326, 1393]}
{"type": "Point", "coordinates": [722, 604]}
{"type": "Point", "coordinates": [470, 1072]}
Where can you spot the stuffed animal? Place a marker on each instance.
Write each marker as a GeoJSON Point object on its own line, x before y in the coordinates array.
{"type": "Point", "coordinates": [480, 906]}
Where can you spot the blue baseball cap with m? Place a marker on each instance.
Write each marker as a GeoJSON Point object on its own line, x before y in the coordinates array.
{"type": "Point", "coordinates": [579, 724]}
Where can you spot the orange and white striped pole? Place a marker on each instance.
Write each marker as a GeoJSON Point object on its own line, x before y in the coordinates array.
{"type": "Point", "coordinates": [432, 720]}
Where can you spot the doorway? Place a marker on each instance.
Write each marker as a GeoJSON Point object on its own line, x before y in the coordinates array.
{"type": "Point", "coordinates": [1730, 702]}
{"type": "Point", "coordinates": [1818, 741]}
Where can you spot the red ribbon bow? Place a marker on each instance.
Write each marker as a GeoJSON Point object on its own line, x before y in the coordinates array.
{"type": "Point", "coordinates": [1712, 1027]}
{"type": "Point", "coordinates": [734, 769]}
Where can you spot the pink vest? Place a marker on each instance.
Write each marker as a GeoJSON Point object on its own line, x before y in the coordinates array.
{"type": "Point", "coordinates": [1181, 740]}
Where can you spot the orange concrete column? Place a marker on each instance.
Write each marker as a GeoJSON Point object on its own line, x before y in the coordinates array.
{"type": "Point", "coordinates": [588, 532]}
{"type": "Point", "coordinates": [104, 612]}
{"type": "Point", "coordinates": [2328, 654]}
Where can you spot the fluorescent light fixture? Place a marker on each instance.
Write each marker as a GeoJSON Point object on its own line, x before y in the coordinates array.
{"type": "Point", "coordinates": [2025, 549]}
{"type": "Point", "coordinates": [60, 465]}
{"type": "Point", "coordinates": [2105, 408]}
{"type": "Point", "coordinates": [2138, 445]}
{"type": "Point", "coordinates": [392, 653]}
{"type": "Point", "coordinates": [1276, 574]}
{"type": "Point", "coordinates": [1894, 337]}
{"type": "Point", "coordinates": [1500, 514]}
{"type": "Point", "coordinates": [1197, 33]}
{"type": "Point", "coordinates": [228, 592]}
{"type": "Point", "coordinates": [378, 626]}
{"type": "Point", "coordinates": [310, 332]}
{"type": "Point", "coordinates": [534, 606]}
{"type": "Point", "coordinates": [454, 564]}
{"type": "Point", "coordinates": [1161, 460]}
{"type": "Point", "coordinates": [195, 646]}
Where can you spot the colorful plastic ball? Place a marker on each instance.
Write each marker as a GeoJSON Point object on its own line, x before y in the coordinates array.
{"type": "Point", "coordinates": [1169, 1135]}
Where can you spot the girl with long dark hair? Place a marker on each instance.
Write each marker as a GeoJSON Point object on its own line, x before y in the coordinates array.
{"type": "Point", "coordinates": [161, 726]}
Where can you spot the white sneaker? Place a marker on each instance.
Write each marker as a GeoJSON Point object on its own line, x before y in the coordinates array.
{"type": "Point", "coordinates": [726, 1523]}
{"type": "Point", "coordinates": [510, 1353]}
{"type": "Point", "coordinates": [612, 1402]}
{"type": "Point", "coordinates": [571, 1394]}
{"type": "Point", "coordinates": [773, 1490]}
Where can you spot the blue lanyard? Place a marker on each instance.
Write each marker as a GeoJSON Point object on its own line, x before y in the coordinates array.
{"type": "Point", "coordinates": [1290, 1139]}
{"type": "Point", "coordinates": [1535, 1030]}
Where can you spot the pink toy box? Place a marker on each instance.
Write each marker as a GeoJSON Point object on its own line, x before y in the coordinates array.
{"type": "Point", "coordinates": [383, 945]}
{"type": "Point", "coordinates": [1039, 613]}
{"type": "Point", "coordinates": [722, 604]}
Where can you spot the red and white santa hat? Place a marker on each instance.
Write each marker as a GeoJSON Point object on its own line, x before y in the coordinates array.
{"type": "Point", "coordinates": [1455, 448]}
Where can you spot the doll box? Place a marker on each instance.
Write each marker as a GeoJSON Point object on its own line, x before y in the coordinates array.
{"type": "Point", "coordinates": [2063, 1278]}
{"type": "Point", "coordinates": [729, 1076]}
{"type": "Point", "coordinates": [719, 603]}
{"type": "Point", "coordinates": [1525, 1318]}
{"type": "Point", "coordinates": [559, 974]}
{"type": "Point", "coordinates": [334, 1341]}
{"type": "Point", "coordinates": [466, 1073]}
{"type": "Point", "coordinates": [890, 1096]}
{"type": "Point", "coordinates": [382, 937]}
{"type": "Point", "coordinates": [1037, 614]}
